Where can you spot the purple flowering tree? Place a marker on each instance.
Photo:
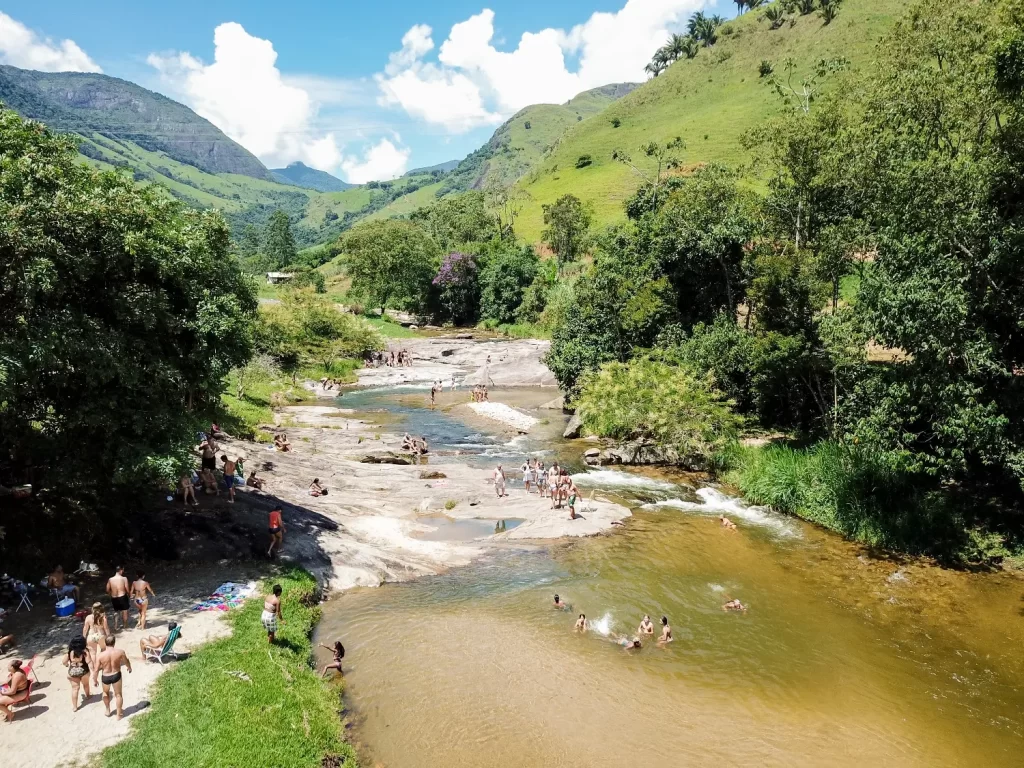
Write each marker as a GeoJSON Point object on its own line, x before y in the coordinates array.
{"type": "Point", "coordinates": [458, 287]}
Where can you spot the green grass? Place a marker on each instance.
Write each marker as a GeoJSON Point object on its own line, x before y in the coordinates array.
{"type": "Point", "coordinates": [710, 101]}
{"type": "Point", "coordinates": [516, 330]}
{"type": "Point", "coordinates": [284, 718]}
{"type": "Point", "coordinates": [389, 328]}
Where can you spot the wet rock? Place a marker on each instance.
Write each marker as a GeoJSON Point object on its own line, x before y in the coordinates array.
{"type": "Point", "coordinates": [558, 404]}
{"type": "Point", "coordinates": [447, 352]}
{"type": "Point", "coordinates": [592, 456]}
{"type": "Point", "coordinates": [640, 453]}
{"type": "Point", "coordinates": [574, 427]}
{"type": "Point", "coordinates": [433, 475]}
{"type": "Point", "coordinates": [463, 335]}
{"type": "Point", "coordinates": [385, 457]}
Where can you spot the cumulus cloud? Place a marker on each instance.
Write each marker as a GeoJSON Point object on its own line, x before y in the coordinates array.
{"type": "Point", "coordinates": [244, 94]}
{"type": "Point", "coordinates": [476, 84]}
{"type": "Point", "coordinates": [21, 47]}
{"type": "Point", "coordinates": [382, 161]}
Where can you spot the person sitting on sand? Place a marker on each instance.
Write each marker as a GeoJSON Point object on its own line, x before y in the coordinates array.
{"type": "Point", "coordinates": [646, 626]}
{"type": "Point", "coordinates": [281, 443]}
{"type": "Point", "coordinates": [561, 605]}
{"type": "Point", "coordinates": [58, 582]}
{"type": "Point", "coordinates": [499, 481]}
{"type": "Point", "coordinates": [209, 481]}
{"type": "Point", "coordinates": [254, 482]}
{"type": "Point", "coordinates": [734, 605]}
{"type": "Point", "coordinates": [157, 642]}
{"type": "Point", "coordinates": [339, 653]}
{"type": "Point", "coordinates": [14, 691]}
{"type": "Point", "coordinates": [110, 663]}
{"type": "Point", "coordinates": [187, 490]}
{"type": "Point", "coordinates": [315, 489]}
{"type": "Point", "coordinates": [581, 623]}
{"type": "Point", "coordinates": [727, 523]}
{"type": "Point", "coordinates": [629, 644]}
{"type": "Point", "coordinates": [666, 632]}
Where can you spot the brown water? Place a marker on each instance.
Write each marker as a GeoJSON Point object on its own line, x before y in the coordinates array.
{"type": "Point", "coordinates": [841, 659]}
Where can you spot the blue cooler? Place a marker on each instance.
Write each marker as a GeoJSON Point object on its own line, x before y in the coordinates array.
{"type": "Point", "coordinates": [65, 607]}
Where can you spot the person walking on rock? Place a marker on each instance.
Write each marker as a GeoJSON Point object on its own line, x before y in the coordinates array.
{"type": "Point", "coordinates": [499, 481]}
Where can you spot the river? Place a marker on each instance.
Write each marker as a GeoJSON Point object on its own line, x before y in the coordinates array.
{"type": "Point", "coordinates": [844, 657]}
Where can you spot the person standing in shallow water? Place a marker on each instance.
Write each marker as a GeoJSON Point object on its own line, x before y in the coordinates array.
{"type": "Point", "coordinates": [666, 632]}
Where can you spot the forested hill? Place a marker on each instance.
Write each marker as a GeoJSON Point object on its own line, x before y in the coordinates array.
{"type": "Point", "coordinates": [87, 103]}
{"type": "Point", "coordinates": [301, 175]}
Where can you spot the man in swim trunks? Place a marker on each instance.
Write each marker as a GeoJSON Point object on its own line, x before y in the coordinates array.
{"type": "Point", "coordinates": [229, 477]}
{"type": "Point", "coordinates": [646, 626]}
{"type": "Point", "coordinates": [110, 661]}
{"type": "Point", "coordinates": [271, 616]}
{"type": "Point", "coordinates": [208, 452]}
{"type": "Point", "coordinates": [118, 588]}
{"type": "Point", "coordinates": [666, 632]}
{"type": "Point", "coordinates": [276, 531]}
{"type": "Point", "coordinates": [572, 492]}
{"type": "Point", "coordinates": [59, 582]}
{"type": "Point", "coordinates": [499, 481]}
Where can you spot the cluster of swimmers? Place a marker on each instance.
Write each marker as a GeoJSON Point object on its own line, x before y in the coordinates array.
{"type": "Point", "coordinates": [633, 643]}
{"type": "Point", "coordinates": [418, 445]}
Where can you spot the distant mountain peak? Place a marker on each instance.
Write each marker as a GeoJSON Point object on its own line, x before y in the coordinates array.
{"type": "Point", "coordinates": [298, 174]}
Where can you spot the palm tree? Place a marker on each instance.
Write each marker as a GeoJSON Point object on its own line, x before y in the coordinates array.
{"type": "Point", "coordinates": [675, 47]}
{"type": "Point", "coordinates": [655, 68]}
{"type": "Point", "coordinates": [695, 22]}
{"type": "Point", "coordinates": [752, 4]}
{"type": "Point", "coordinates": [741, 6]}
{"type": "Point", "coordinates": [774, 14]}
{"type": "Point", "coordinates": [829, 9]}
{"type": "Point", "coordinates": [692, 47]}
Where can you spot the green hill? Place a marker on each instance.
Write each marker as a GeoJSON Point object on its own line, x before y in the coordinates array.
{"type": "Point", "coordinates": [710, 101]}
{"type": "Point", "coordinates": [520, 143]}
{"type": "Point", "coordinates": [301, 175]}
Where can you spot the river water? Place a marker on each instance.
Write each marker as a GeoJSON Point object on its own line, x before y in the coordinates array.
{"type": "Point", "coordinates": [844, 657]}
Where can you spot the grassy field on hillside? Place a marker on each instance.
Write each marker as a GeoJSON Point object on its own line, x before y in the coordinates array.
{"type": "Point", "coordinates": [710, 101]}
{"type": "Point", "coordinates": [282, 716]}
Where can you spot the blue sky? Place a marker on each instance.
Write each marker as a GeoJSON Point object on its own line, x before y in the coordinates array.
{"type": "Point", "coordinates": [363, 90]}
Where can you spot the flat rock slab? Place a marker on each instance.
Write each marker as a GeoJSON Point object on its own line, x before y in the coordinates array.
{"type": "Point", "coordinates": [385, 457]}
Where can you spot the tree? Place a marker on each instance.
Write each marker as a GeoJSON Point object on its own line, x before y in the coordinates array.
{"type": "Point", "coordinates": [278, 241]}
{"type": "Point", "coordinates": [457, 220]}
{"type": "Point", "coordinates": [568, 222]}
{"type": "Point", "coordinates": [120, 314]}
{"type": "Point", "coordinates": [508, 272]}
{"type": "Point", "coordinates": [676, 47]}
{"type": "Point", "coordinates": [508, 201]}
{"type": "Point", "coordinates": [390, 261]}
{"type": "Point", "coordinates": [665, 155]}
{"type": "Point", "coordinates": [458, 286]}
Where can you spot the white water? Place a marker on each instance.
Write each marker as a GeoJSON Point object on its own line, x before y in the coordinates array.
{"type": "Point", "coordinates": [602, 626]}
{"type": "Point", "coordinates": [717, 503]}
{"type": "Point", "coordinates": [612, 478]}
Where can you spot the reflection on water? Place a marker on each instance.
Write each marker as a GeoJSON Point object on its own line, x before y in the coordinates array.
{"type": "Point", "coordinates": [837, 661]}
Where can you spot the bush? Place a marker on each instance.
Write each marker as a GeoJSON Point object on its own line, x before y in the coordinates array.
{"type": "Point", "coordinates": [503, 282]}
{"type": "Point", "coordinates": [583, 161]}
{"type": "Point", "coordinates": [647, 399]}
{"type": "Point", "coordinates": [765, 68]}
{"type": "Point", "coordinates": [616, 122]}
{"type": "Point", "coordinates": [526, 125]}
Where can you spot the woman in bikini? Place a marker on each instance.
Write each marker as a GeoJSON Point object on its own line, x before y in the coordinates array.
{"type": "Point", "coordinates": [77, 662]}
{"type": "Point", "coordinates": [95, 631]}
{"type": "Point", "coordinates": [138, 592]}
{"type": "Point", "coordinates": [14, 691]}
{"type": "Point", "coordinates": [339, 653]}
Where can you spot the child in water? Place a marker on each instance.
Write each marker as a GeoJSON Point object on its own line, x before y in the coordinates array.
{"type": "Point", "coordinates": [581, 623]}
{"type": "Point", "coordinates": [339, 653]}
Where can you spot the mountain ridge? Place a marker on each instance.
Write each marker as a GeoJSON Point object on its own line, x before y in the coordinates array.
{"type": "Point", "coordinates": [298, 174]}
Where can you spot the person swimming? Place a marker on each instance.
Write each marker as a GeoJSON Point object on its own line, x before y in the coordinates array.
{"type": "Point", "coordinates": [734, 605]}
{"type": "Point", "coordinates": [727, 523]}
{"type": "Point", "coordinates": [581, 623]}
{"type": "Point", "coordinates": [646, 626]}
{"type": "Point", "coordinates": [561, 605]}
{"type": "Point", "coordinates": [666, 632]}
{"type": "Point", "coordinates": [629, 644]}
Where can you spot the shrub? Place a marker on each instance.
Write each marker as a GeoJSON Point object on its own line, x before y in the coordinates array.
{"type": "Point", "coordinates": [648, 399]}
{"type": "Point", "coordinates": [583, 161]}
{"type": "Point", "coordinates": [616, 122]}
{"type": "Point", "coordinates": [526, 125]}
{"type": "Point", "coordinates": [450, 504]}
{"type": "Point", "coordinates": [765, 68]}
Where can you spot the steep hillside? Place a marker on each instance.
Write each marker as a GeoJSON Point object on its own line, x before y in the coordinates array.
{"type": "Point", "coordinates": [301, 175]}
{"type": "Point", "coordinates": [444, 167]}
{"type": "Point", "coordinates": [521, 142]}
{"type": "Point", "coordinates": [710, 101]}
{"type": "Point", "coordinates": [86, 103]}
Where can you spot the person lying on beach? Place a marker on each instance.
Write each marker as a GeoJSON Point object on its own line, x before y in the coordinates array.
{"type": "Point", "coordinates": [581, 623]}
{"type": "Point", "coordinates": [646, 626]}
{"type": "Point", "coordinates": [561, 605]}
{"type": "Point", "coordinates": [254, 482]}
{"type": "Point", "coordinates": [339, 653]}
{"type": "Point", "coordinates": [727, 523]}
{"type": "Point", "coordinates": [315, 489]}
{"type": "Point", "coordinates": [156, 642]}
{"type": "Point", "coordinates": [734, 605]}
{"type": "Point", "coordinates": [629, 644]}
{"type": "Point", "coordinates": [6, 640]}
{"type": "Point", "coordinates": [666, 632]}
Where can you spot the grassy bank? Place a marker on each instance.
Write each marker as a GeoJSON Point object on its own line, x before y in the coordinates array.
{"type": "Point", "coordinates": [284, 718]}
{"type": "Point", "coordinates": [859, 496]}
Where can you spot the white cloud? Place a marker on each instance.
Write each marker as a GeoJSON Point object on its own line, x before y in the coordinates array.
{"type": "Point", "coordinates": [381, 162]}
{"type": "Point", "coordinates": [21, 47]}
{"type": "Point", "coordinates": [476, 84]}
{"type": "Point", "coordinates": [244, 94]}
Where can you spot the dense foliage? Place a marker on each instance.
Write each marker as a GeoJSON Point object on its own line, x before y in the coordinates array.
{"type": "Point", "coordinates": [458, 287]}
{"type": "Point", "coordinates": [390, 262]}
{"type": "Point", "coordinates": [120, 314]}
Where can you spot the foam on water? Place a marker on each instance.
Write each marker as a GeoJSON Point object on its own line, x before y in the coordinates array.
{"type": "Point", "coordinates": [716, 587]}
{"type": "Point", "coordinates": [612, 478]}
{"type": "Point", "coordinates": [602, 626]}
{"type": "Point", "coordinates": [717, 503]}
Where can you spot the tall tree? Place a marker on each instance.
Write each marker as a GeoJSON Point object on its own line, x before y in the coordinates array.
{"type": "Point", "coordinates": [278, 241]}
{"type": "Point", "coordinates": [120, 314]}
{"type": "Point", "coordinates": [390, 261]}
{"type": "Point", "coordinates": [568, 223]}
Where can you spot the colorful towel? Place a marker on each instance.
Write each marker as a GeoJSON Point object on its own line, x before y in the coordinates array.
{"type": "Point", "coordinates": [227, 596]}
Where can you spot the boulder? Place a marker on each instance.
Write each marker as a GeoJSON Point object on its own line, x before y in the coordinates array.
{"type": "Point", "coordinates": [558, 404]}
{"type": "Point", "coordinates": [574, 427]}
{"type": "Point", "coordinates": [434, 475]}
{"type": "Point", "coordinates": [447, 352]}
{"type": "Point", "coordinates": [592, 456]}
{"type": "Point", "coordinates": [385, 457]}
{"type": "Point", "coordinates": [463, 335]}
{"type": "Point", "coordinates": [640, 453]}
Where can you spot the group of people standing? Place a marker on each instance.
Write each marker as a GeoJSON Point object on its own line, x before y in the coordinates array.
{"type": "Point", "coordinates": [390, 358]}
{"type": "Point", "coordinates": [554, 482]}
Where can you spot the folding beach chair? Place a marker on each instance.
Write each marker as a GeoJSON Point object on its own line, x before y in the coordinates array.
{"type": "Point", "coordinates": [152, 654]}
{"type": "Point", "coordinates": [23, 591]}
